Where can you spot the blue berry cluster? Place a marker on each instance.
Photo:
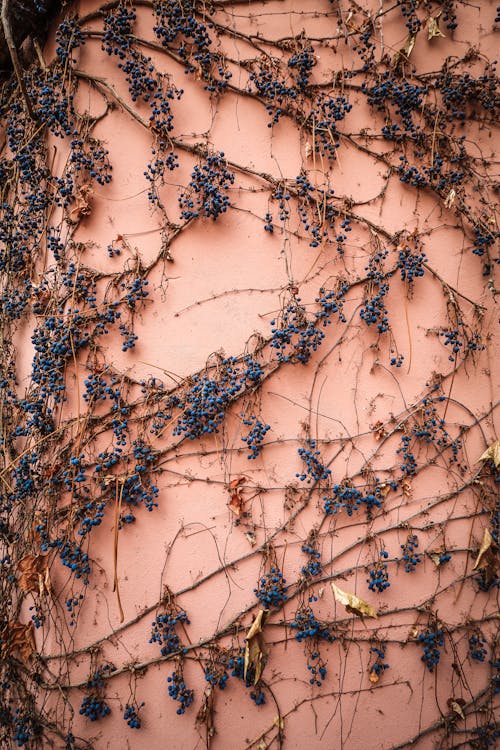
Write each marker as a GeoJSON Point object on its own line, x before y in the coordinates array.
{"type": "Point", "coordinates": [272, 589]}
{"type": "Point", "coordinates": [379, 666]}
{"type": "Point", "coordinates": [477, 649]}
{"type": "Point", "coordinates": [294, 336]}
{"type": "Point", "coordinates": [131, 715]}
{"type": "Point", "coordinates": [301, 64]}
{"type": "Point", "coordinates": [164, 631]}
{"type": "Point", "coordinates": [179, 30]}
{"type": "Point", "coordinates": [94, 708]}
{"type": "Point", "coordinates": [178, 691]}
{"type": "Point", "coordinates": [346, 497]}
{"type": "Point", "coordinates": [206, 193]}
{"type": "Point", "coordinates": [22, 728]}
{"type": "Point", "coordinates": [431, 640]}
{"type": "Point", "coordinates": [204, 403]}
{"type": "Point", "coordinates": [374, 310]}
{"type": "Point", "coordinates": [313, 567]}
{"type": "Point", "coordinates": [277, 95]}
{"type": "Point", "coordinates": [410, 263]}
{"type": "Point", "coordinates": [379, 575]}
{"type": "Point", "coordinates": [306, 626]}
{"type": "Point", "coordinates": [324, 114]}
{"type": "Point", "coordinates": [315, 470]}
{"type": "Point", "coordinates": [410, 557]}
{"type": "Point", "coordinates": [255, 436]}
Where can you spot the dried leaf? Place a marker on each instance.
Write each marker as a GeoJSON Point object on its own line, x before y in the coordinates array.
{"type": "Point", "coordinates": [251, 538]}
{"type": "Point", "coordinates": [373, 676]}
{"type": "Point", "coordinates": [353, 603]}
{"type": "Point", "coordinates": [436, 559]}
{"type": "Point", "coordinates": [456, 708]}
{"type": "Point", "coordinates": [255, 653]}
{"type": "Point", "coordinates": [485, 546]}
{"type": "Point", "coordinates": [492, 454]}
{"type": "Point", "coordinates": [34, 574]}
{"type": "Point", "coordinates": [406, 487]}
{"type": "Point", "coordinates": [379, 431]}
{"type": "Point", "coordinates": [450, 199]}
{"type": "Point", "coordinates": [236, 503]}
{"type": "Point", "coordinates": [262, 745]}
{"type": "Point", "coordinates": [404, 53]}
{"type": "Point", "coordinates": [279, 722]}
{"type": "Point", "coordinates": [19, 637]}
{"type": "Point", "coordinates": [433, 29]}
{"type": "Point", "coordinates": [236, 482]}
{"type": "Point", "coordinates": [308, 150]}
{"type": "Point", "coordinates": [384, 489]}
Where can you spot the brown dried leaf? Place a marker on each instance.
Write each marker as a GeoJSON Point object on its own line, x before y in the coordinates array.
{"type": "Point", "coordinates": [373, 677]}
{"type": "Point", "coordinates": [34, 574]}
{"type": "Point", "coordinates": [353, 603]}
{"type": "Point", "coordinates": [255, 653]}
{"type": "Point", "coordinates": [492, 454]}
{"type": "Point", "coordinates": [236, 483]}
{"type": "Point", "coordinates": [236, 504]}
{"type": "Point", "coordinates": [406, 487]}
{"type": "Point", "coordinates": [433, 29]}
{"type": "Point", "coordinates": [485, 546]}
{"type": "Point", "coordinates": [379, 431]}
{"type": "Point", "coordinates": [19, 637]}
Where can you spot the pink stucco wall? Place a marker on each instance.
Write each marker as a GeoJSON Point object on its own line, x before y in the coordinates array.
{"type": "Point", "coordinates": [214, 296]}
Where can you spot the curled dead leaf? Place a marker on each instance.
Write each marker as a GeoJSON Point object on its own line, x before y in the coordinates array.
{"type": "Point", "coordinates": [450, 198]}
{"type": "Point", "coordinates": [373, 677]}
{"type": "Point", "coordinates": [251, 538]}
{"type": "Point", "coordinates": [456, 707]}
{"type": "Point", "coordinates": [492, 453]}
{"type": "Point", "coordinates": [353, 603]}
{"type": "Point", "coordinates": [485, 546]}
{"type": "Point", "coordinates": [404, 53]}
{"type": "Point", "coordinates": [433, 29]}
{"type": "Point", "coordinates": [236, 502]}
{"type": "Point", "coordinates": [19, 637]}
{"type": "Point", "coordinates": [34, 574]}
{"type": "Point", "coordinates": [279, 722]}
{"type": "Point", "coordinates": [255, 652]}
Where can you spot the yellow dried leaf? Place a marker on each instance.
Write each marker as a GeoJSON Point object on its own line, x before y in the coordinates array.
{"type": "Point", "coordinates": [433, 29]}
{"type": "Point", "coordinates": [353, 603]}
{"type": "Point", "coordinates": [404, 53]}
{"type": "Point", "coordinates": [251, 538]}
{"type": "Point", "coordinates": [492, 454]}
{"type": "Point", "coordinates": [436, 559]}
{"type": "Point", "coordinates": [255, 653]}
{"type": "Point", "coordinates": [457, 708]}
{"type": "Point", "coordinates": [279, 722]}
{"type": "Point", "coordinates": [485, 546]}
{"type": "Point", "coordinates": [410, 43]}
{"type": "Point", "coordinates": [373, 676]}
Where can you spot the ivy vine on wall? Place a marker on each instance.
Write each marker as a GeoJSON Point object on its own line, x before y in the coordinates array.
{"type": "Point", "coordinates": [347, 449]}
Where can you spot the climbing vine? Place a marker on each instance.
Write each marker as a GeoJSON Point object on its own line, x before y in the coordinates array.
{"type": "Point", "coordinates": [339, 466]}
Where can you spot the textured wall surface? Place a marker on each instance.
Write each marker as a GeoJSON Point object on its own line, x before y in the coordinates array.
{"type": "Point", "coordinates": [250, 456]}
